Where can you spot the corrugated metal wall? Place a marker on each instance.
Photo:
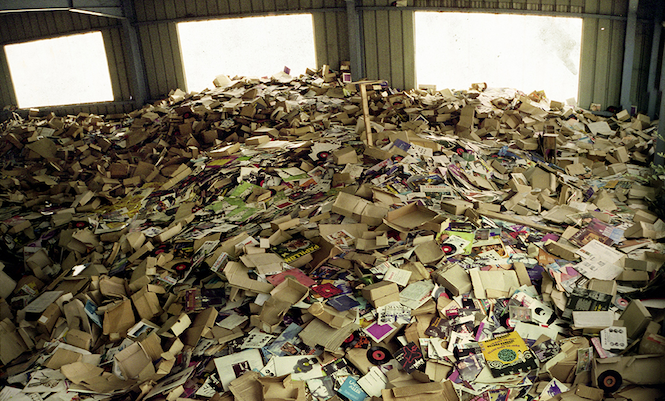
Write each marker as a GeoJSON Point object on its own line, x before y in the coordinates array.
{"type": "Point", "coordinates": [387, 40]}
{"type": "Point", "coordinates": [601, 63]}
{"type": "Point", "coordinates": [389, 45]}
{"type": "Point", "coordinates": [568, 6]}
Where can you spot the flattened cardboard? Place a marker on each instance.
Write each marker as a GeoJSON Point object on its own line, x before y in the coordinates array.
{"type": "Point", "coordinates": [493, 283]}
{"type": "Point", "coordinates": [237, 275]}
{"type": "Point", "coordinates": [11, 343]}
{"type": "Point", "coordinates": [134, 363]}
{"type": "Point", "coordinates": [247, 387]}
{"type": "Point", "coordinates": [429, 252]}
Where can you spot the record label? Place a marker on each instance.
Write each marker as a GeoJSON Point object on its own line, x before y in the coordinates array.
{"type": "Point", "coordinates": [610, 381]}
{"type": "Point", "coordinates": [621, 303]}
{"type": "Point", "coordinates": [378, 355]}
{"type": "Point", "coordinates": [449, 249]}
{"type": "Point", "coordinates": [350, 341]}
{"type": "Point", "coordinates": [181, 267]}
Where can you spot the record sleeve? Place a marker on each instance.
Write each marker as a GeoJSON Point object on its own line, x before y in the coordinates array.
{"type": "Point", "coordinates": [508, 355]}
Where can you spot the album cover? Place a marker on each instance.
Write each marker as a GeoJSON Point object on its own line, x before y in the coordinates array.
{"type": "Point", "coordinates": [410, 357]}
{"type": "Point", "coordinates": [470, 366]}
{"type": "Point", "coordinates": [294, 248]}
{"type": "Point", "coordinates": [232, 366]}
{"type": "Point", "coordinates": [546, 350]}
{"type": "Point", "coordinates": [508, 355]}
{"type": "Point", "coordinates": [582, 299]}
{"type": "Point", "coordinates": [438, 327]}
{"type": "Point", "coordinates": [300, 367]}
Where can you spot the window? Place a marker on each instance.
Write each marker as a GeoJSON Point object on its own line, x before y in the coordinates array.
{"type": "Point", "coordinates": [256, 46]}
{"type": "Point", "coordinates": [454, 50]}
{"type": "Point", "coordinates": [65, 70]}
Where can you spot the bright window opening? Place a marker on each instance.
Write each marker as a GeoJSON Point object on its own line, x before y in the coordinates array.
{"type": "Point", "coordinates": [454, 50]}
{"type": "Point", "coordinates": [65, 70]}
{"type": "Point", "coordinates": [256, 46]}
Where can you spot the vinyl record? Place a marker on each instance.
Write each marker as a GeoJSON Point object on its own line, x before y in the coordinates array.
{"type": "Point", "coordinates": [449, 249]}
{"type": "Point", "coordinates": [378, 355]}
{"type": "Point", "coordinates": [80, 224]}
{"type": "Point", "coordinates": [506, 322]}
{"type": "Point", "coordinates": [610, 381]}
{"type": "Point", "coordinates": [160, 249]}
{"type": "Point", "coordinates": [350, 341]}
{"type": "Point", "coordinates": [323, 155]}
{"type": "Point", "coordinates": [181, 267]}
{"type": "Point", "coordinates": [621, 303]}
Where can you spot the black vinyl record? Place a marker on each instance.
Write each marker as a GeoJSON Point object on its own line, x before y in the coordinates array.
{"type": "Point", "coordinates": [378, 355]}
{"type": "Point", "coordinates": [181, 267]}
{"type": "Point", "coordinates": [160, 249]}
{"type": "Point", "coordinates": [323, 155]}
{"type": "Point", "coordinates": [350, 341]}
{"type": "Point", "coordinates": [506, 322]}
{"type": "Point", "coordinates": [610, 381]}
{"type": "Point", "coordinates": [449, 249]}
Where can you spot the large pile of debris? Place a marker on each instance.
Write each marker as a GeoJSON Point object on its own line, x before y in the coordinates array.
{"type": "Point", "coordinates": [256, 242]}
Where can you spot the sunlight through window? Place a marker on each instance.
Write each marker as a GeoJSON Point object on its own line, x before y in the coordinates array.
{"type": "Point", "coordinates": [65, 70]}
{"type": "Point", "coordinates": [255, 46]}
{"type": "Point", "coordinates": [454, 50]}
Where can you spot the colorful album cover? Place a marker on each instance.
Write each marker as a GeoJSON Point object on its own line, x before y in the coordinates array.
{"type": "Point", "coordinates": [508, 355]}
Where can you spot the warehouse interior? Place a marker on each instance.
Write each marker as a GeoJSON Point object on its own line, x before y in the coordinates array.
{"type": "Point", "coordinates": [621, 46]}
{"type": "Point", "coordinates": [146, 210]}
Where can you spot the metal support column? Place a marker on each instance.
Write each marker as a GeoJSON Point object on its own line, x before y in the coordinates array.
{"type": "Point", "coordinates": [355, 41]}
{"type": "Point", "coordinates": [628, 54]}
{"type": "Point", "coordinates": [660, 140]}
{"type": "Point", "coordinates": [134, 55]}
{"type": "Point", "coordinates": [652, 84]}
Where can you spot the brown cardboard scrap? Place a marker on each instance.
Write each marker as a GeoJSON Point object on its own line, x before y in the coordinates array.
{"type": "Point", "coordinates": [105, 217]}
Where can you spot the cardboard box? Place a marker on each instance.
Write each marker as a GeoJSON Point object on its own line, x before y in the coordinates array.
{"type": "Point", "coordinates": [421, 392]}
{"type": "Point", "coordinates": [453, 278]}
{"type": "Point", "coordinates": [381, 293]}
{"type": "Point", "coordinates": [175, 326]}
{"type": "Point", "coordinates": [345, 156]}
{"type": "Point", "coordinates": [330, 315]}
{"type": "Point", "coordinates": [134, 363]}
{"type": "Point", "coordinates": [409, 217]}
{"type": "Point", "coordinates": [7, 284]}
{"type": "Point", "coordinates": [429, 252]}
{"type": "Point", "coordinates": [146, 301]}
{"type": "Point", "coordinates": [282, 388]}
{"type": "Point", "coordinates": [562, 250]}
{"type": "Point", "coordinates": [456, 206]}
{"type": "Point", "coordinates": [79, 339]}
{"type": "Point", "coordinates": [638, 369]}
{"type": "Point", "coordinates": [286, 294]}
{"type": "Point", "coordinates": [636, 318]}
{"type": "Point", "coordinates": [48, 318]}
